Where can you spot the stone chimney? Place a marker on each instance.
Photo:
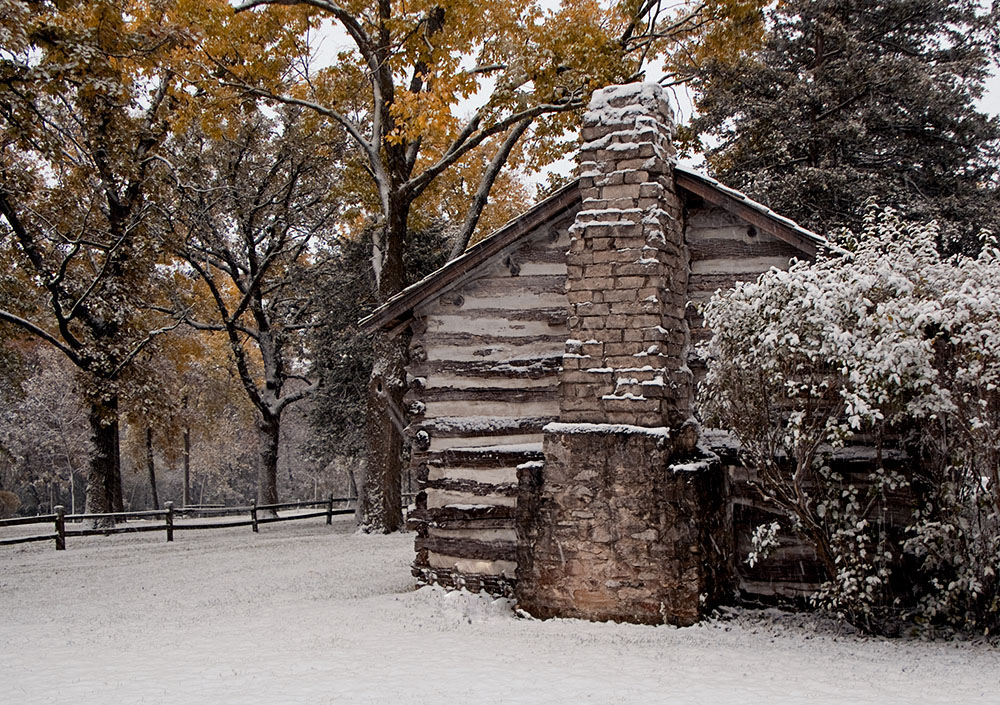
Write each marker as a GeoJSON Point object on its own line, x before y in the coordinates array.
{"type": "Point", "coordinates": [627, 265]}
{"type": "Point", "coordinates": [612, 527]}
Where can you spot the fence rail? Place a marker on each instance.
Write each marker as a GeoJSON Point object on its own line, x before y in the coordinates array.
{"type": "Point", "coordinates": [169, 514]}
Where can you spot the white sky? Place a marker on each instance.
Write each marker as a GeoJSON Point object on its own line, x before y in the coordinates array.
{"type": "Point", "coordinates": [334, 39]}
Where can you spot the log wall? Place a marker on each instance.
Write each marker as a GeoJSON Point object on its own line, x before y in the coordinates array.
{"type": "Point", "coordinates": [483, 382]}
{"type": "Point", "coordinates": [724, 250]}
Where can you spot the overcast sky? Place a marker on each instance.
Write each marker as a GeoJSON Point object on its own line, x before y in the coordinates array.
{"type": "Point", "coordinates": [991, 101]}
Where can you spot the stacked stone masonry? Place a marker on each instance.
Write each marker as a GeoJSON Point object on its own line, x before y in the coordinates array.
{"type": "Point", "coordinates": [627, 271]}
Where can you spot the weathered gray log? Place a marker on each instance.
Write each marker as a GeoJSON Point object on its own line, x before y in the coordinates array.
{"type": "Point", "coordinates": [477, 341]}
{"type": "Point", "coordinates": [23, 521]}
{"type": "Point", "coordinates": [507, 394]}
{"type": "Point", "coordinates": [170, 520]}
{"type": "Point", "coordinates": [480, 489]}
{"type": "Point", "coordinates": [439, 515]}
{"type": "Point", "coordinates": [469, 548]}
{"type": "Point", "coordinates": [719, 248]}
{"type": "Point", "coordinates": [492, 457]}
{"type": "Point", "coordinates": [464, 427]}
{"type": "Point", "coordinates": [530, 367]}
{"type": "Point", "coordinates": [60, 527]}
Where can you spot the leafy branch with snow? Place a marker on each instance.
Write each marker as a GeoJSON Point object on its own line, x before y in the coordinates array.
{"type": "Point", "coordinates": [887, 345]}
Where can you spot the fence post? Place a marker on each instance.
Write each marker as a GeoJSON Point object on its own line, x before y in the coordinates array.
{"type": "Point", "coordinates": [253, 515]}
{"type": "Point", "coordinates": [170, 520]}
{"type": "Point", "coordinates": [60, 528]}
{"type": "Point", "coordinates": [329, 510]}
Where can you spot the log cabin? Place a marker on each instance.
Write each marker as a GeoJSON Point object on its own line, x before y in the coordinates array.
{"type": "Point", "coordinates": [551, 375]}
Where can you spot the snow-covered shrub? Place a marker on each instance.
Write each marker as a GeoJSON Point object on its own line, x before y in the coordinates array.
{"type": "Point", "coordinates": [888, 340]}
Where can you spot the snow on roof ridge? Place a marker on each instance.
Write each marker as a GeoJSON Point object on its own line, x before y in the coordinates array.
{"type": "Point", "coordinates": [756, 205]}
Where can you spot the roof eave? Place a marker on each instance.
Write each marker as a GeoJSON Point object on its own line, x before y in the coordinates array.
{"type": "Point", "coordinates": [398, 309]}
{"type": "Point", "coordinates": [755, 213]}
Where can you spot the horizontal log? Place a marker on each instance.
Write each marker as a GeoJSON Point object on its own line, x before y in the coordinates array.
{"type": "Point", "coordinates": [545, 249]}
{"type": "Point", "coordinates": [501, 408]}
{"type": "Point", "coordinates": [211, 511]}
{"type": "Point", "coordinates": [481, 426]}
{"type": "Point", "coordinates": [466, 524]}
{"type": "Point", "coordinates": [486, 476]}
{"type": "Point", "coordinates": [508, 534]}
{"type": "Point", "coordinates": [294, 505]}
{"type": "Point", "coordinates": [125, 516]}
{"type": "Point", "coordinates": [24, 521]}
{"type": "Point", "coordinates": [516, 299]}
{"type": "Point", "coordinates": [27, 539]}
{"type": "Point", "coordinates": [704, 215]}
{"type": "Point", "coordinates": [497, 352]}
{"type": "Point", "coordinates": [468, 548]}
{"type": "Point", "coordinates": [446, 498]}
{"type": "Point", "coordinates": [479, 489]}
{"type": "Point", "coordinates": [475, 582]}
{"type": "Point", "coordinates": [555, 340]}
{"type": "Point", "coordinates": [296, 517]}
{"type": "Point", "coordinates": [744, 269]}
{"type": "Point", "coordinates": [459, 382]}
{"type": "Point", "coordinates": [483, 457]}
{"type": "Point", "coordinates": [215, 525]}
{"type": "Point", "coordinates": [116, 530]}
{"type": "Point", "coordinates": [543, 313]}
{"type": "Point", "coordinates": [715, 249]}
{"type": "Point", "coordinates": [470, 566]}
{"type": "Point", "coordinates": [504, 394]}
{"type": "Point", "coordinates": [786, 590]}
{"type": "Point", "coordinates": [441, 516]}
{"type": "Point", "coordinates": [498, 326]}
{"type": "Point", "coordinates": [531, 367]}
{"type": "Point", "coordinates": [500, 287]}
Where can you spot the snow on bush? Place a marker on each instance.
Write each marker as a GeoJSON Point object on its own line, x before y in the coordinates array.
{"type": "Point", "coordinates": [888, 344]}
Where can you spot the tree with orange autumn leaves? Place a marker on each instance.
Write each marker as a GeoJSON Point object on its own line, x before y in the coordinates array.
{"type": "Point", "coordinates": [91, 93]}
{"type": "Point", "coordinates": [87, 98]}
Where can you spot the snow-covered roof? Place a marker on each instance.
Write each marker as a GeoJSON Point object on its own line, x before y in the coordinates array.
{"type": "Point", "coordinates": [399, 308]}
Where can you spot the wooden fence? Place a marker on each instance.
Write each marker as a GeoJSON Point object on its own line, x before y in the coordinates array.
{"type": "Point", "coordinates": [258, 514]}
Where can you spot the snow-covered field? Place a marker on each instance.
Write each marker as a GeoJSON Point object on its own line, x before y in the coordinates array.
{"type": "Point", "coordinates": [305, 613]}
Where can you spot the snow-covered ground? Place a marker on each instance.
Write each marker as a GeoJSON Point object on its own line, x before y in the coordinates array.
{"type": "Point", "coordinates": [305, 613]}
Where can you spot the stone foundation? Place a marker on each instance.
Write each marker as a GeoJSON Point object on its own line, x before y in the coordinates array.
{"type": "Point", "coordinates": [610, 530]}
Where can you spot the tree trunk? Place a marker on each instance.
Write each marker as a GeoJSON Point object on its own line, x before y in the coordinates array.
{"type": "Point", "coordinates": [151, 467]}
{"type": "Point", "coordinates": [381, 505]}
{"type": "Point", "coordinates": [268, 431]}
{"type": "Point", "coordinates": [114, 478]}
{"type": "Point", "coordinates": [104, 472]}
{"type": "Point", "coordinates": [380, 502]}
{"type": "Point", "coordinates": [187, 467]}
